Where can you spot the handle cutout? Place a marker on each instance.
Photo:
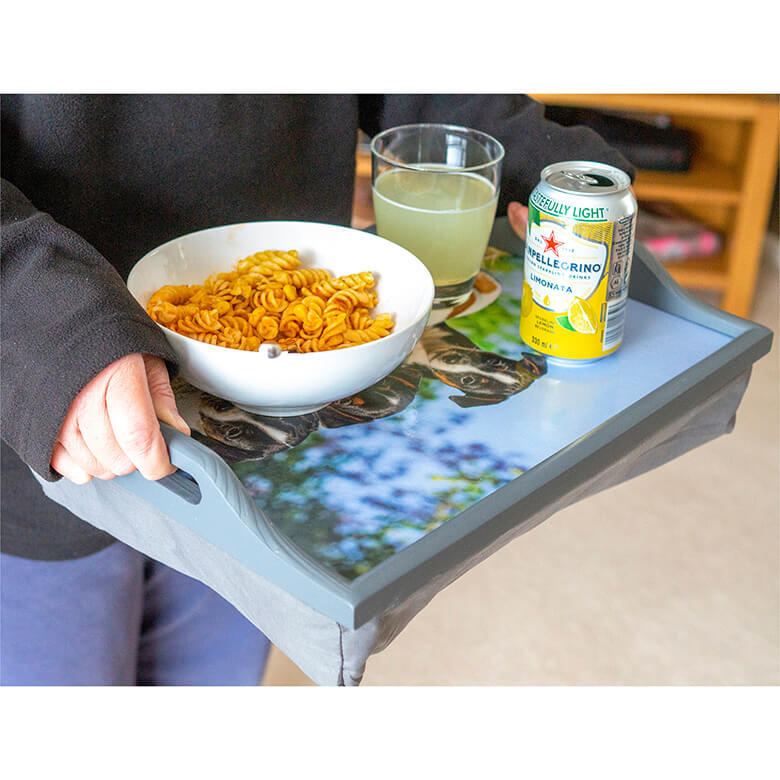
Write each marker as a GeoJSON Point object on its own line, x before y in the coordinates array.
{"type": "Point", "coordinates": [183, 485]}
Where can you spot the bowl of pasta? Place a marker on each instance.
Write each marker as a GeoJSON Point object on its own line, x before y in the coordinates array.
{"type": "Point", "coordinates": [282, 318]}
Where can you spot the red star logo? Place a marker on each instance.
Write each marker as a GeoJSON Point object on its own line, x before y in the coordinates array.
{"type": "Point", "coordinates": [551, 243]}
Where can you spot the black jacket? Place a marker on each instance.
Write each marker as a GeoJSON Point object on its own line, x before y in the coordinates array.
{"type": "Point", "coordinates": [93, 182]}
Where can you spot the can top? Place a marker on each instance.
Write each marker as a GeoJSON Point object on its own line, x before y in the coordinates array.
{"type": "Point", "coordinates": [586, 178]}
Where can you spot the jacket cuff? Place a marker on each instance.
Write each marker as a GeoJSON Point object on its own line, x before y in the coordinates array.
{"type": "Point", "coordinates": [97, 347]}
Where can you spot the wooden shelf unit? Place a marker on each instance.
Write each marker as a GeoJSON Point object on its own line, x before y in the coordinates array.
{"type": "Point", "coordinates": [729, 185]}
{"type": "Point", "coordinates": [708, 181]}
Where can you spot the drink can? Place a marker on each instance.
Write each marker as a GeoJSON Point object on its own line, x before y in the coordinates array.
{"type": "Point", "coordinates": [579, 245]}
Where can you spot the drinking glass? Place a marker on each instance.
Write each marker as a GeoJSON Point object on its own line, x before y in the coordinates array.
{"type": "Point", "coordinates": [435, 189]}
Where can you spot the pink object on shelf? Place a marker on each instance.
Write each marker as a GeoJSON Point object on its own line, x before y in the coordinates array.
{"type": "Point", "coordinates": [672, 237]}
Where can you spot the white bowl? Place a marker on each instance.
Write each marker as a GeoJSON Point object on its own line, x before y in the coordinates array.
{"type": "Point", "coordinates": [291, 383]}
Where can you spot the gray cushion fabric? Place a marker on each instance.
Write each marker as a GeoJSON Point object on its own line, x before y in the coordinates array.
{"type": "Point", "coordinates": [327, 652]}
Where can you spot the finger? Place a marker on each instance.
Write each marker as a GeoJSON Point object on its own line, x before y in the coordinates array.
{"type": "Point", "coordinates": [73, 441]}
{"type": "Point", "coordinates": [63, 463]}
{"type": "Point", "coordinates": [134, 422]}
{"type": "Point", "coordinates": [163, 399]}
{"type": "Point", "coordinates": [98, 435]}
{"type": "Point", "coordinates": [518, 218]}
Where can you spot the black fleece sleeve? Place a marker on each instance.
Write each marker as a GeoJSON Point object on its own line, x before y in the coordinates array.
{"type": "Point", "coordinates": [66, 315]}
{"type": "Point", "coordinates": [517, 121]}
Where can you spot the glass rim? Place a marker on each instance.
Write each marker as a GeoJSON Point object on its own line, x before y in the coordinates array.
{"type": "Point", "coordinates": [417, 166]}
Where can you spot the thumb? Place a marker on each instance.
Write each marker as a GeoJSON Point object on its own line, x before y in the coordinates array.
{"type": "Point", "coordinates": [163, 398]}
{"type": "Point", "coordinates": [518, 218]}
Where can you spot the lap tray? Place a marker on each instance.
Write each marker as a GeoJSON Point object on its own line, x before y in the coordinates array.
{"type": "Point", "coordinates": [332, 529]}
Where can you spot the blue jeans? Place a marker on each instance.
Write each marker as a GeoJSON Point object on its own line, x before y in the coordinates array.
{"type": "Point", "coordinates": [119, 618]}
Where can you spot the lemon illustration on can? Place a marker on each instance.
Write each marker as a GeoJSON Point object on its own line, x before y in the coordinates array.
{"type": "Point", "coordinates": [581, 316]}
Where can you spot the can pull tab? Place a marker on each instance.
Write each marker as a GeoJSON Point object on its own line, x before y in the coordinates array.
{"type": "Point", "coordinates": [581, 177]}
{"type": "Point", "coordinates": [592, 179]}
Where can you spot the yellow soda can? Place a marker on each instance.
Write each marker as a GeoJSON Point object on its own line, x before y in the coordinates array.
{"type": "Point", "coordinates": [579, 244]}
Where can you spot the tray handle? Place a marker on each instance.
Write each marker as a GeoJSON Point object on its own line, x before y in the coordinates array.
{"type": "Point", "coordinates": [206, 496]}
{"type": "Point", "coordinates": [203, 489]}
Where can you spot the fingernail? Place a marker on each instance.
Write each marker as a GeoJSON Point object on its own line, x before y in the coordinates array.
{"type": "Point", "coordinates": [175, 420]}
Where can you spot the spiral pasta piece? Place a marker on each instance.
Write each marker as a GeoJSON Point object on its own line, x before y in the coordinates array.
{"type": "Point", "coordinates": [268, 328]}
{"type": "Point", "coordinates": [333, 332]}
{"type": "Point", "coordinates": [208, 338]}
{"type": "Point", "coordinates": [359, 319]}
{"type": "Point", "coordinates": [202, 321]}
{"type": "Point", "coordinates": [347, 300]}
{"type": "Point", "coordinates": [376, 330]}
{"type": "Point", "coordinates": [171, 293]}
{"type": "Point", "coordinates": [238, 323]}
{"type": "Point", "coordinates": [328, 287]}
{"type": "Point", "coordinates": [302, 277]}
{"type": "Point", "coordinates": [273, 300]}
{"type": "Point", "coordinates": [269, 262]}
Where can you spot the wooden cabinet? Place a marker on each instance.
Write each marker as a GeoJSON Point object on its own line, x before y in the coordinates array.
{"type": "Point", "coordinates": [729, 185]}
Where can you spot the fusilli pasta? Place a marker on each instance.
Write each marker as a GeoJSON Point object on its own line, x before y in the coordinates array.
{"type": "Point", "coordinates": [268, 298]}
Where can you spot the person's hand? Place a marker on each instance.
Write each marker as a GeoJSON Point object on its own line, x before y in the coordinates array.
{"type": "Point", "coordinates": [518, 218]}
{"type": "Point", "coordinates": [111, 427]}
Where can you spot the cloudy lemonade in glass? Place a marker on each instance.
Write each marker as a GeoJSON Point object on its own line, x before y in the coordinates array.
{"type": "Point", "coordinates": [435, 190]}
{"type": "Point", "coordinates": [443, 218]}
